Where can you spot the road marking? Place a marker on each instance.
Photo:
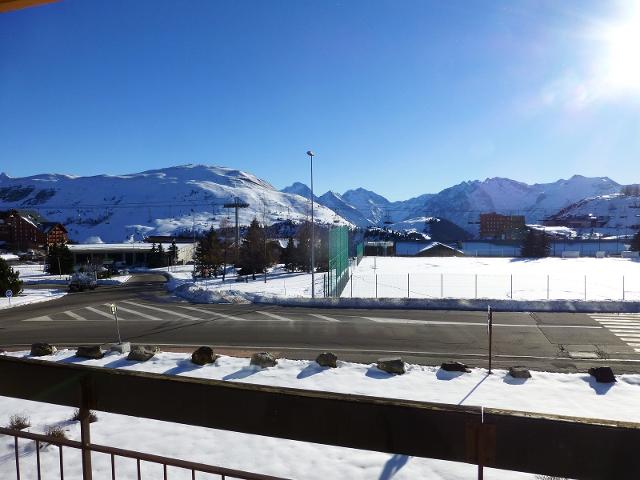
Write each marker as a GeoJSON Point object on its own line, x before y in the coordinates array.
{"type": "Point", "coordinates": [625, 326]}
{"type": "Point", "coordinates": [75, 316]}
{"type": "Point", "coordinates": [476, 324]}
{"type": "Point", "coordinates": [324, 317]}
{"type": "Point", "coordinates": [45, 318]}
{"type": "Point", "coordinates": [100, 312]}
{"type": "Point", "coordinates": [178, 314]}
{"type": "Point", "coordinates": [219, 314]}
{"type": "Point", "coordinates": [275, 317]}
{"type": "Point", "coordinates": [140, 314]}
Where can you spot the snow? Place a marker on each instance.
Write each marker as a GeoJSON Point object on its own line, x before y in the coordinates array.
{"type": "Point", "coordinates": [9, 257]}
{"type": "Point", "coordinates": [162, 202]}
{"type": "Point", "coordinates": [554, 393]}
{"type": "Point", "coordinates": [31, 295]}
{"type": "Point", "coordinates": [32, 274]}
{"type": "Point", "coordinates": [455, 277]}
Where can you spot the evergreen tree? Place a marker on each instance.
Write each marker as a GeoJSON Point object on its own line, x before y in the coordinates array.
{"type": "Point", "coordinates": [173, 253]}
{"type": "Point", "coordinates": [9, 279]}
{"type": "Point", "coordinates": [59, 260]}
{"type": "Point", "coordinates": [635, 242]}
{"type": "Point", "coordinates": [302, 253]}
{"type": "Point", "coordinates": [209, 255]}
{"type": "Point", "coordinates": [536, 244]}
{"type": "Point", "coordinates": [254, 254]}
{"type": "Point", "coordinates": [289, 256]}
{"type": "Point", "coordinates": [157, 257]}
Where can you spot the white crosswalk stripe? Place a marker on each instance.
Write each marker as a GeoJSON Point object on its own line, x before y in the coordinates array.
{"type": "Point", "coordinates": [100, 312]}
{"type": "Point", "coordinates": [218, 314]}
{"type": "Point", "coordinates": [625, 326]}
{"type": "Point", "coordinates": [140, 314]}
{"type": "Point", "coordinates": [171, 312]}
{"type": "Point", "coordinates": [75, 316]}
{"type": "Point", "coordinates": [275, 317]}
{"type": "Point", "coordinates": [324, 317]}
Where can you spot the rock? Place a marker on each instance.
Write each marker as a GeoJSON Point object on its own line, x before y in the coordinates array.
{"type": "Point", "coordinates": [142, 353]}
{"type": "Point", "coordinates": [602, 374]}
{"type": "Point", "coordinates": [42, 349]}
{"type": "Point", "coordinates": [327, 359]}
{"type": "Point", "coordinates": [454, 367]}
{"type": "Point", "coordinates": [93, 351]}
{"type": "Point", "coordinates": [519, 372]}
{"type": "Point", "coordinates": [391, 365]}
{"type": "Point", "coordinates": [203, 355]}
{"type": "Point", "coordinates": [263, 360]}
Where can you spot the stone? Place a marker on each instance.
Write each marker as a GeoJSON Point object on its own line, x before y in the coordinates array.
{"type": "Point", "coordinates": [519, 372]}
{"type": "Point", "coordinates": [454, 367]}
{"type": "Point", "coordinates": [327, 359]}
{"type": "Point", "coordinates": [93, 351]}
{"type": "Point", "coordinates": [391, 365]}
{"type": "Point", "coordinates": [203, 355]}
{"type": "Point", "coordinates": [124, 347]}
{"type": "Point", "coordinates": [42, 349]}
{"type": "Point", "coordinates": [602, 374]}
{"type": "Point", "coordinates": [263, 360]}
{"type": "Point", "coordinates": [142, 353]}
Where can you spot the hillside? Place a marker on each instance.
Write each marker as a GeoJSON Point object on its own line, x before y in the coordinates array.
{"type": "Point", "coordinates": [162, 202]}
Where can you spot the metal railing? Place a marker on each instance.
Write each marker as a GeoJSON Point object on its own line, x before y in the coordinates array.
{"type": "Point", "coordinates": [113, 452]}
{"type": "Point", "coordinates": [521, 441]}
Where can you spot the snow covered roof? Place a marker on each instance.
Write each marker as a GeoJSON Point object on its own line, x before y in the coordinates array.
{"type": "Point", "coordinates": [122, 247]}
{"type": "Point", "coordinates": [415, 248]}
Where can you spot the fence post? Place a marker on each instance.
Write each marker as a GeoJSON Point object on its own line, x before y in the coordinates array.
{"type": "Point", "coordinates": [623, 292]}
{"type": "Point", "coordinates": [547, 287]}
{"type": "Point", "coordinates": [85, 430]}
{"type": "Point", "coordinates": [442, 285]}
{"type": "Point", "coordinates": [376, 285]}
{"type": "Point", "coordinates": [511, 280]}
{"type": "Point", "coordinates": [476, 285]}
{"type": "Point", "coordinates": [585, 288]}
{"type": "Point", "coordinates": [351, 285]}
{"type": "Point", "coordinates": [408, 285]}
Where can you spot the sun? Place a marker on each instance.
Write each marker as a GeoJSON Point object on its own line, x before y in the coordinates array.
{"type": "Point", "coordinates": [621, 65]}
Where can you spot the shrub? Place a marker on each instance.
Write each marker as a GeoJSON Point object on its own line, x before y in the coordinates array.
{"type": "Point", "coordinates": [19, 422]}
{"type": "Point", "coordinates": [56, 432]}
{"type": "Point", "coordinates": [76, 416]}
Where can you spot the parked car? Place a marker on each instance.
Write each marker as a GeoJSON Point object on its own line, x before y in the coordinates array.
{"type": "Point", "coordinates": [81, 281]}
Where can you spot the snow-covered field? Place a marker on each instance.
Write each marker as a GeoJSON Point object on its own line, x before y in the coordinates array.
{"type": "Point", "coordinates": [31, 295]}
{"type": "Point", "coordinates": [496, 278]}
{"type": "Point", "coordinates": [566, 394]}
{"type": "Point", "coordinates": [438, 277]}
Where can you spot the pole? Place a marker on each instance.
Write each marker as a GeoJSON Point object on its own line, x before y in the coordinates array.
{"type": "Point", "coordinates": [408, 285]}
{"type": "Point", "coordinates": [547, 287]}
{"type": "Point", "coordinates": [490, 330]}
{"type": "Point", "coordinates": [476, 285]}
{"type": "Point", "coordinates": [511, 280]}
{"type": "Point", "coordinates": [237, 232]}
{"type": "Point", "coordinates": [376, 285]}
{"type": "Point", "coordinates": [351, 280]}
{"type": "Point", "coordinates": [442, 285]}
{"type": "Point", "coordinates": [313, 237]}
{"type": "Point", "coordinates": [623, 292]}
{"type": "Point", "coordinates": [85, 432]}
{"type": "Point", "coordinates": [585, 288]}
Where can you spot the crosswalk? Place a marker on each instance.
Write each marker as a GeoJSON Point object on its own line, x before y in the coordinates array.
{"type": "Point", "coordinates": [625, 326]}
{"type": "Point", "coordinates": [131, 311]}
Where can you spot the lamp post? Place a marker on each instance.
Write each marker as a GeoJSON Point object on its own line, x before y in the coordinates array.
{"type": "Point", "coordinates": [313, 236]}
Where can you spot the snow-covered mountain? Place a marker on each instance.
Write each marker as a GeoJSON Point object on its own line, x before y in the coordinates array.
{"type": "Point", "coordinates": [162, 202]}
{"type": "Point", "coordinates": [299, 188]}
{"type": "Point", "coordinates": [615, 214]}
{"type": "Point", "coordinates": [335, 202]}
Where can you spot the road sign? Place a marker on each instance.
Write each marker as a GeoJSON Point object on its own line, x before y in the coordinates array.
{"type": "Point", "coordinates": [114, 308]}
{"type": "Point", "coordinates": [8, 293]}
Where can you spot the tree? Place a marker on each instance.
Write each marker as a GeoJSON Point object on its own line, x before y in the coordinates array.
{"type": "Point", "coordinates": [635, 242]}
{"type": "Point", "coordinates": [157, 257]}
{"type": "Point", "coordinates": [209, 255]}
{"type": "Point", "coordinates": [173, 252]}
{"type": "Point", "coordinates": [289, 256]}
{"type": "Point", "coordinates": [536, 244]}
{"type": "Point", "coordinates": [302, 253]}
{"type": "Point", "coordinates": [9, 279]}
{"type": "Point", "coordinates": [254, 254]}
{"type": "Point", "coordinates": [59, 260]}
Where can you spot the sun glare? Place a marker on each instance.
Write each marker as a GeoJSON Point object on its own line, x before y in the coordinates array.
{"type": "Point", "coordinates": [622, 55]}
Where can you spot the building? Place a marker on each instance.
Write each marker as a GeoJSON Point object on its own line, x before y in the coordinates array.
{"type": "Point", "coordinates": [496, 226]}
{"type": "Point", "coordinates": [429, 249]}
{"type": "Point", "coordinates": [22, 230]}
{"type": "Point", "coordinates": [130, 254]}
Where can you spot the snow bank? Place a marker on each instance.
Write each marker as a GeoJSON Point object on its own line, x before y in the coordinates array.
{"type": "Point", "coordinates": [31, 295]}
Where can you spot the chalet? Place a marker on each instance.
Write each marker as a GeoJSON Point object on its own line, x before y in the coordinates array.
{"type": "Point", "coordinates": [432, 249]}
{"type": "Point", "coordinates": [23, 230]}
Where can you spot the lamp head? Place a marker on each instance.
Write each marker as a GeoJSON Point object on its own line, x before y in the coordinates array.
{"type": "Point", "coordinates": [310, 153]}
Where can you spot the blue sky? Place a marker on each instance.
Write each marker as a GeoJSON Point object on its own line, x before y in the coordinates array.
{"type": "Point", "coordinates": [400, 97]}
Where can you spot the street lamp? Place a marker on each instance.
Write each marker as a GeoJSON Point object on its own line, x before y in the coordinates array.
{"type": "Point", "coordinates": [313, 236]}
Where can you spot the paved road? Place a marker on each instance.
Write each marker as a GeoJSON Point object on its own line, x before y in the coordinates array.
{"type": "Point", "coordinates": [559, 342]}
